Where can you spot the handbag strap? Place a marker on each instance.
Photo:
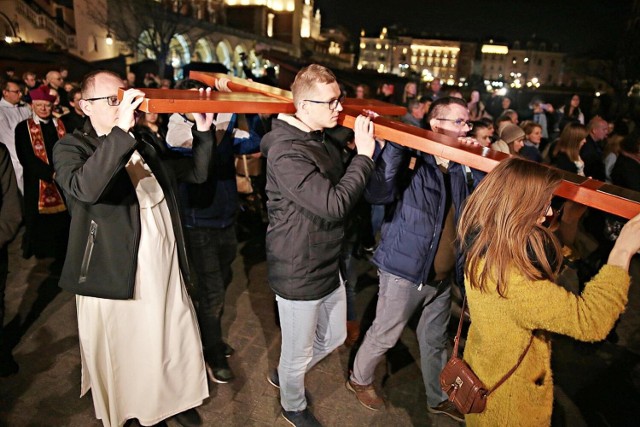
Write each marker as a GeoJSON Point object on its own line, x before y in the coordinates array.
{"type": "Point", "coordinates": [511, 371]}
{"type": "Point", "coordinates": [246, 168]}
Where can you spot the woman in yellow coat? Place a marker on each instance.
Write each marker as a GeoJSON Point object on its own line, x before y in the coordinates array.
{"type": "Point", "coordinates": [512, 262]}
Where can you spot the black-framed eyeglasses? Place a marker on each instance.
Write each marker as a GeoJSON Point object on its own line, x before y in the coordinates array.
{"type": "Point", "coordinates": [333, 104]}
{"type": "Point", "coordinates": [459, 122]}
{"type": "Point", "coordinates": [112, 100]}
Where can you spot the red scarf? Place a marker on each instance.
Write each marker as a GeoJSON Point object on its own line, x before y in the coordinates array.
{"type": "Point", "coordinates": [49, 198]}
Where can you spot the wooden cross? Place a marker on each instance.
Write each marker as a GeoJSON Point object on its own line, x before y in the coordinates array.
{"type": "Point", "coordinates": [252, 97]}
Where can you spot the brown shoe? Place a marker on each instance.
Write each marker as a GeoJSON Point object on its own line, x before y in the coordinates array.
{"type": "Point", "coordinates": [353, 332]}
{"type": "Point", "coordinates": [366, 395]}
{"type": "Point", "coordinates": [447, 408]}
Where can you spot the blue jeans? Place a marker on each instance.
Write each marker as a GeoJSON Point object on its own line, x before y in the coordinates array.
{"type": "Point", "coordinates": [211, 252]}
{"type": "Point", "coordinates": [310, 331]}
{"type": "Point", "coordinates": [398, 299]}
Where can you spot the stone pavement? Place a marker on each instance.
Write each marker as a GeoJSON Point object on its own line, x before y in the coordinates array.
{"type": "Point", "coordinates": [596, 384]}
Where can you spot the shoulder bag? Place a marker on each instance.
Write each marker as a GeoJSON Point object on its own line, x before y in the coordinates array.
{"type": "Point", "coordinates": [465, 390]}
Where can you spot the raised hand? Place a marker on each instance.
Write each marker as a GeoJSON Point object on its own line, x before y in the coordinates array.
{"type": "Point", "coordinates": [203, 121]}
{"type": "Point", "coordinates": [131, 100]}
{"type": "Point", "coordinates": [627, 244]}
{"type": "Point", "coordinates": [363, 130]}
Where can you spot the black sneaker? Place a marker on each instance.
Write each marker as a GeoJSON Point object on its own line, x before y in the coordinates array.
{"type": "Point", "coordinates": [302, 418]}
{"type": "Point", "coordinates": [274, 379]}
{"type": "Point", "coordinates": [447, 408]}
{"type": "Point", "coordinates": [228, 350]}
{"type": "Point", "coordinates": [219, 371]}
{"type": "Point", "coordinates": [188, 418]}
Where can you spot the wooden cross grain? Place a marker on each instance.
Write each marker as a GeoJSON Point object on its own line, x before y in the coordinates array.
{"type": "Point", "coordinates": [252, 97]}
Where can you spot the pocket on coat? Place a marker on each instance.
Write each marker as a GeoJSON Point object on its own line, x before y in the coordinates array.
{"type": "Point", "coordinates": [324, 250]}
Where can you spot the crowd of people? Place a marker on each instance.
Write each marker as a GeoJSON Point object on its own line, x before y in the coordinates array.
{"type": "Point", "coordinates": [98, 185]}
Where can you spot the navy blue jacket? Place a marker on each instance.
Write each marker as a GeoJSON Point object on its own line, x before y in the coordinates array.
{"type": "Point", "coordinates": [410, 238]}
{"type": "Point", "coordinates": [214, 204]}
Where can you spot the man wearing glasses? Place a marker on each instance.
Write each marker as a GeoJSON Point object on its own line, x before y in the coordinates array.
{"type": "Point", "coordinates": [416, 257]}
{"type": "Point", "coordinates": [126, 262]}
{"type": "Point", "coordinates": [310, 193]}
{"type": "Point", "coordinates": [12, 112]}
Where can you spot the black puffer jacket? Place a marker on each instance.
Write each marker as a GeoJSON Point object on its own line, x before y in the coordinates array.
{"type": "Point", "coordinates": [310, 195]}
{"type": "Point", "coordinates": [102, 254]}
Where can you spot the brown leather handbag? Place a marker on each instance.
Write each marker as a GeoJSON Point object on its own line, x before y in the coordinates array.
{"type": "Point", "coordinates": [462, 385]}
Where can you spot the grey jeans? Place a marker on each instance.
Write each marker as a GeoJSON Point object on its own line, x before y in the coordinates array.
{"type": "Point", "coordinates": [398, 299]}
{"type": "Point", "coordinates": [310, 331]}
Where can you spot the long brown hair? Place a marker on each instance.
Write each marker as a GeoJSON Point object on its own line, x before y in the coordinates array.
{"type": "Point", "coordinates": [500, 226]}
{"type": "Point", "coordinates": [570, 139]}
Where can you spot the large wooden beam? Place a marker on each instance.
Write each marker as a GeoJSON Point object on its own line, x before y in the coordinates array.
{"type": "Point", "coordinates": [590, 192]}
{"type": "Point", "coordinates": [241, 85]}
{"type": "Point", "coordinates": [193, 101]}
{"type": "Point", "coordinates": [251, 97]}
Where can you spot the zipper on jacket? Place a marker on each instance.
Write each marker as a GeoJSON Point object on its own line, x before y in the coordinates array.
{"type": "Point", "coordinates": [88, 250]}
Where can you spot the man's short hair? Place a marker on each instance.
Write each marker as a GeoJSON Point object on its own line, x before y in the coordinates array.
{"type": "Point", "coordinates": [72, 93]}
{"type": "Point", "coordinates": [5, 84]}
{"type": "Point", "coordinates": [503, 119]}
{"type": "Point", "coordinates": [187, 84]}
{"type": "Point", "coordinates": [442, 104]}
{"type": "Point", "coordinates": [412, 104]}
{"type": "Point", "coordinates": [307, 78]}
{"type": "Point", "coordinates": [89, 81]}
{"type": "Point", "coordinates": [27, 74]}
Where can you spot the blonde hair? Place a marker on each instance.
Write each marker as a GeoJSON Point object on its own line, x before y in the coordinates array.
{"type": "Point", "coordinates": [307, 78]}
{"type": "Point", "coordinates": [500, 226]}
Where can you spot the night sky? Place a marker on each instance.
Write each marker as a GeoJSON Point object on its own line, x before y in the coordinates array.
{"type": "Point", "coordinates": [580, 26]}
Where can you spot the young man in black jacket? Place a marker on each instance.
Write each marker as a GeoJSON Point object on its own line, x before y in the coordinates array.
{"type": "Point", "coordinates": [126, 260]}
{"type": "Point", "coordinates": [310, 194]}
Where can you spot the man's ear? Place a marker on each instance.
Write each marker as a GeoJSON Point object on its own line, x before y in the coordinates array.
{"type": "Point", "coordinates": [433, 123]}
{"type": "Point", "coordinates": [86, 107]}
{"type": "Point", "coordinates": [302, 107]}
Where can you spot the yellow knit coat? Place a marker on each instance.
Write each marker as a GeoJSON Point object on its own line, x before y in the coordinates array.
{"type": "Point", "coordinates": [501, 328]}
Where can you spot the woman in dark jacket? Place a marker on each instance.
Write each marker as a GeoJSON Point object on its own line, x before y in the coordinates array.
{"type": "Point", "coordinates": [566, 153]}
{"type": "Point", "coordinates": [566, 156]}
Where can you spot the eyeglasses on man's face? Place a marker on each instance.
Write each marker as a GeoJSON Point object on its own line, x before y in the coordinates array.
{"type": "Point", "coordinates": [12, 91]}
{"type": "Point", "coordinates": [112, 100]}
{"type": "Point", "coordinates": [332, 104]}
{"type": "Point", "coordinates": [459, 122]}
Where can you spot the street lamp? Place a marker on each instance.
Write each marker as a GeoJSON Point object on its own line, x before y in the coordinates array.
{"type": "Point", "coordinates": [109, 39]}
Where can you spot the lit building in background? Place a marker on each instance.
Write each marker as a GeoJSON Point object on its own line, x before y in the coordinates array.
{"type": "Point", "coordinates": [406, 56]}
{"type": "Point", "coordinates": [225, 31]}
{"type": "Point", "coordinates": [530, 64]}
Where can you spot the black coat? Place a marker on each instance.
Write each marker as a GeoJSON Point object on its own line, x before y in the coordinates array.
{"type": "Point", "coordinates": [626, 173]}
{"type": "Point", "coordinates": [105, 215]}
{"type": "Point", "coordinates": [45, 234]}
{"type": "Point", "coordinates": [10, 211]}
{"type": "Point", "coordinates": [310, 195]}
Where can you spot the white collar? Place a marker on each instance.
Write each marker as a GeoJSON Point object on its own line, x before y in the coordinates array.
{"type": "Point", "coordinates": [295, 122]}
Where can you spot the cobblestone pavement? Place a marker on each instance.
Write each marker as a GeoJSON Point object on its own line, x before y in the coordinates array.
{"type": "Point", "coordinates": [594, 382]}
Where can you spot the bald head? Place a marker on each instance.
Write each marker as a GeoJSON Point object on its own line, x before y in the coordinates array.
{"type": "Point", "coordinates": [598, 128]}
{"type": "Point", "coordinates": [53, 79]}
